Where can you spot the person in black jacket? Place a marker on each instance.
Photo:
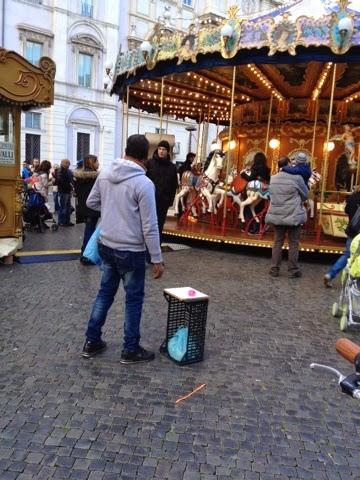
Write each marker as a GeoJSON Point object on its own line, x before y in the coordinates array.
{"type": "Point", "coordinates": [64, 179]}
{"type": "Point", "coordinates": [84, 179]}
{"type": "Point", "coordinates": [259, 170]}
{"type": "Point", "coordinates": [352, 204]}
{"type": "Point", "coordinates": [186, 166]}
{"type": "Point", "coordinates": [162, 172]}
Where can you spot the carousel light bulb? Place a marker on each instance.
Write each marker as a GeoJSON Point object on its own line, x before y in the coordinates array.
{"type": "Point", "coordinates": [274, 143]}
{"type": "Point", "coordinates": [345, 26]}
{"type": "Point", "coordinates": [146, 49]}
{"type": "Point", "coordinates": [232, 144]}
{"type": "Point", "coordinates": [226, 33]}
{"type": "Point", "coordinates": [329, 146]}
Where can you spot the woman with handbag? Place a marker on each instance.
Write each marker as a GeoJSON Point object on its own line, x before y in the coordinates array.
{"type": "Point", "coordinates": [84, 179]}
{"type": "Point", "coordinates": [352, 208]}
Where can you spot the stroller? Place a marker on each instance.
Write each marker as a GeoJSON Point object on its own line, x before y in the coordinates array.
{"type": "Point", "coordinates": [348, 306]}
{"type": "Point", "coordinates": [36, 213]}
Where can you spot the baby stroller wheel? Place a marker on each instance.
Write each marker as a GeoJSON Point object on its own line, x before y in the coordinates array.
{"type": "Point", "coordinates": [54, 227]}
{"type": "Point", "coordinates": [343, 322]}
{"type": "Point", "coordinates": [335, 309]}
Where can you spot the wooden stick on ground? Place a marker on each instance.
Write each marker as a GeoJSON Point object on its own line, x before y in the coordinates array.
{"type": "Point", "coordinates": [197, 389]}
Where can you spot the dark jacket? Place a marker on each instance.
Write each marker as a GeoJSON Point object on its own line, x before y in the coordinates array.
{"type": "Point", "coordinates": [352, 204]}
{"type": "Point", "coordinates": [302, 169]}
{"type": "Point", "coordinates": [83, 182]}
{"type": "Point", "coordinates": [64, 180]}
{"type": "Point", "coordinates": [163, 174]}
{"type": "Point", "coordinates": [258, 172]}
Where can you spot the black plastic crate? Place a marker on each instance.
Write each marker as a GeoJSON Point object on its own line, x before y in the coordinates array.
{"type": "Point", "coordinates": [190, 311]}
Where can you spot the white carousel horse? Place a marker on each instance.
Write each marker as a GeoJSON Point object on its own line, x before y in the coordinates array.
{"type": "Point", "coordinates": [205, 183]}
{"type": "Point", "coordinates": [313, 180]}
{"type": "Point", "coordinates": [256, 191]}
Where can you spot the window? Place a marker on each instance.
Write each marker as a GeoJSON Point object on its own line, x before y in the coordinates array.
{"type": "Point", "coordinates": [83, 145]}
{"type": "Point", "coordinates": [143, 7]}
{"type": "Point", "coordinates": [33, 120]}
{"type": "Point", "coordinates": [32, 147]}
{"type": "Point", "coordinates": [87, 8]}
{"type": "Point", "coordinates": [188, 3]}
{"type": "Point", "coordinates": [84, 70]}
{"type": "Point", "coordinates": [33, 52]}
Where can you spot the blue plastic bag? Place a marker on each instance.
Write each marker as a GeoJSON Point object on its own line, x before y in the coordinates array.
{"type": "Point", "coordinates": [91, 251]}
{"type": "Point", "coordinates": [178, 343]}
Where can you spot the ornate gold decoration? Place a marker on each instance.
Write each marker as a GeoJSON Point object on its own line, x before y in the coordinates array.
{"type": "Point", "coordinates": [188, 46]}
{"type": "Point", "coordinates": [233, 11]}
{"type": "Point", "coordinates": [2, 213]}
{"type": "Point", "coordinates": [25, 84]}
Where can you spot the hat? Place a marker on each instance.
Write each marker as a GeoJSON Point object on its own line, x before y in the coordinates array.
{"type": "Point", "coordinates": [80, 163]}
{"type": "Point", "coordinates": [300, 157]}
{"type": "Point", "coordinates": [165, 144]}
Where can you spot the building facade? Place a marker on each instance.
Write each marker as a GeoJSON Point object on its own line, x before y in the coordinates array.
{"type": "Point", "coordinates": [83, 37]}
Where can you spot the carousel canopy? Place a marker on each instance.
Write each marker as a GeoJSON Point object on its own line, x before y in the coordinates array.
{"type": "Point", "coordinates": [286, 54]}
{"type": "Point", "coordinates": [24, 84]}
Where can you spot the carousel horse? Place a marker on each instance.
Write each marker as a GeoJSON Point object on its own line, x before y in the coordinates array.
{"type": "Point", "coordinates": [205, 183]}
{"type": "Point", "coordinates": [256, 191]}
{"type": "Point", "coordinates": [189, 181]}
{"type": "Point", "coordinates": [313, 181]}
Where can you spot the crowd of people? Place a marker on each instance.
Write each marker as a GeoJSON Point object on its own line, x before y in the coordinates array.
{"type": "Point", "coordinates": [132, 196]}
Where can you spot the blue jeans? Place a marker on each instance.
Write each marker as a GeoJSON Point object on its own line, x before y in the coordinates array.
{"type": "Point", "coordinates": [341, 261]}
{"type": "Point", "coordinates": [64, 210]}
{"type": "Point", "coordinates": [90, 226]}
{"type": "Point", "coordinates": [130, 268]}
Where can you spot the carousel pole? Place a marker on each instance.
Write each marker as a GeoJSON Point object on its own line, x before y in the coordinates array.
{"type": "Point", "coordinates": [138, 125]}
{"type": "Point", "coordinates": [228, 156]}
{"type": "Point", "coordinates": [217, 129]}
{"type": "Point", "coordinates": [127, 112]}
{"type": "Point", "coordinates": [161, 105]}
{"type": "Point", "coordinates": [269, 124]}
{"type": "Point", "coordinates": [358, 167]}
{"type": "Point", "coordinates": [314, 132]}
{"type": "Point", "coordinates": [326, 157]}
{"type": "Point", "coordinates": [198, 160]}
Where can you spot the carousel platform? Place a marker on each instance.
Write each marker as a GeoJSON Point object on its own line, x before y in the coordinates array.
{"type": "Point", "coordinates": [206, 232]}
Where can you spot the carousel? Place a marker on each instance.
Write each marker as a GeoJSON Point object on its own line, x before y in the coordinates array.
{"type": "Point", "coordinates": [284, 84]}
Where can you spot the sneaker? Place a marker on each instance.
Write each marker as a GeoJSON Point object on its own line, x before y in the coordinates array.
{"type": "Point", "coordinates": [138, 356]}
{"type": "Point", "coordinates": [296, 274]}
{"type": "Point", "coordinates": [273, 272]}
{"type": "Point", "coordinates": [90, 348]}
{"type": "Point", "coordinates": [327, 281]}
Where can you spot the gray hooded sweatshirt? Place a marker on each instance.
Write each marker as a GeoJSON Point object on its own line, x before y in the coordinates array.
{"type": "Point", "coordinates": [126, 199]}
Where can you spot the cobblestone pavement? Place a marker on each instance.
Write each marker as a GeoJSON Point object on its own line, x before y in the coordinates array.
{"type": "Point", "coordinates": [263, 414]}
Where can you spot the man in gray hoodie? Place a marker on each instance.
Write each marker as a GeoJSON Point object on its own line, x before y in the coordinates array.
{"type": "Point", "coordinates": [286, 213]}
{"type": "Point", "coordinates": [126, 199]}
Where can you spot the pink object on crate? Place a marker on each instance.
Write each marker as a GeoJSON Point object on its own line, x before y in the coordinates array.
{"type": "Point", "coordinates": [191, 293]}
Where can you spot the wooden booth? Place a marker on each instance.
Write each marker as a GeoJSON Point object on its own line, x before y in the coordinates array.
{"type": "Point", "coordinates": [23, 86]}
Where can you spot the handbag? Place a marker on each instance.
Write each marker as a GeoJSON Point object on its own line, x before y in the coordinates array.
{"type": "Point", "coordinates": [91, 251]}
{"type": "Point", "coordinates": [36, 200]}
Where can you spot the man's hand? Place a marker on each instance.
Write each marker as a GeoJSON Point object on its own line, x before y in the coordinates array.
{"type": "Point", "coordinates": [158, 270]}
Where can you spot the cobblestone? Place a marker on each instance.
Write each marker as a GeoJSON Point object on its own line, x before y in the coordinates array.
{"type": "Point", "coordinates": [263, 414]}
